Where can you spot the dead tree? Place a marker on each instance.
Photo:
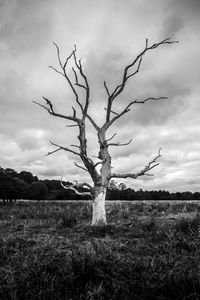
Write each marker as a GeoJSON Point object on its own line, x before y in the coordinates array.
{"type": "Point", "coordinates": [102, 177]}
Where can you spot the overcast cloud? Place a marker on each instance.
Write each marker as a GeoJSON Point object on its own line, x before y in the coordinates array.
{"type": "Point", "coordinates": [108, 34]}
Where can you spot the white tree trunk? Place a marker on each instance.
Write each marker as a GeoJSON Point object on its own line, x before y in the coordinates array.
{"type": "Point", "coordinates": [99, 211]}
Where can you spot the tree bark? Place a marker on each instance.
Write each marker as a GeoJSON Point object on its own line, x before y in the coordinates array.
{"type": "Point", "coordinates": [98, 208]}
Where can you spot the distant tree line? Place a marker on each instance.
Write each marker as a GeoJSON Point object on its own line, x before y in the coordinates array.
{"type": "Point", "coordinates": [24, 185]}
{"type": "Point", "coordinates": [121, 192]}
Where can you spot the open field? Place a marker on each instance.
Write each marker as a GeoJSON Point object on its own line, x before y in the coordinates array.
{"type": "Point", "coordinates": [148, 251]}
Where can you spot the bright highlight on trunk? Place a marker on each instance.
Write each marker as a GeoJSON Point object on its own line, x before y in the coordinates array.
{"type": "Point", "coordinates": [102, 177]}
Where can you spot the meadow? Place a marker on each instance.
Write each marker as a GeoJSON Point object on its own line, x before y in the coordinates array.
{"type": "Point", "coordinates": [148, 250]}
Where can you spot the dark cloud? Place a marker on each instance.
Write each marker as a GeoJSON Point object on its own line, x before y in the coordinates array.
{"type": "Point", "coordinates": [173, 25]}
{"type": "Point", "coordinates": [181, 13]}
{"type": "Point", "coordinates": [109, 34]}
{"type": "Point", "coordinates": [24, 25]}
{"type": "Point", "coordinates": [192, 6]}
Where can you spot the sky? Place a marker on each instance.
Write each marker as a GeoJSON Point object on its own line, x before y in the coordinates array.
{"type": "Point", "coordinates": [108, 34]}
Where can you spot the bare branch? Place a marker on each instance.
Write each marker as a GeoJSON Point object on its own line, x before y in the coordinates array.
{"type": "Point", "coordinates": [58, 54]}
{"type": "Point", "coordinates": [111, 137]}
{"type": "Point", "coordinates": [138, 60]}
{"type": "Point", "coordinates": [61, 148]}
{"type": "Point", "coordinates": [74, 188]}
{"type": "Point", "coordinates": [78, 166]}
{"type": "Point", "coordinates": [78, 64]}
{"type": "Point", "coordinates": [152, 164]}
{"type": "Point", "coordinates": [87, 88]}
{"type": "Point", "coordinates": [43, 106]}
{"type": "Point", "coordinates": [137, 70]}
{"type": "Point", "coordinates": [130, 72]}
{"type": "Point", "coordinates": [93, 122]}
{"type": "Point", "coordinates": [68, 58]}
{"type": "Point", "coordinates": [56, 70]}
{"type": "Point", "coordinates": [64, 74]}
{"type": "Point", "coordinates": [113, 112]}
{"type": "Point", "coordinates": [48, 102]}
{"type": "Point", "coordinates": [127, 108]}
{"type": "Point", "coordinates": [74, 112]}
{"type": "Point", "coordinates": [88, 159]}
{"type": "Point", "coordinates": [120, 144]}
{"type": "Point", "coordinates": [147, 99]}
{"type": "Point", "coordinates": [76, 79]}
{"type": "Point", "coordinates": [53, 113]}
{"type": "Point", "coordinates": [63, 67]}
{"type": "Point", "coordinates": [54, 151]}
{"type": "Point", "coordinates": [146, 43]}
{"type": "Point", "coordinates": [75, 125]}
{"type": "Point", "coordinates": [72, 145]}
{"type": "Point", "coordinates": [106, 88]}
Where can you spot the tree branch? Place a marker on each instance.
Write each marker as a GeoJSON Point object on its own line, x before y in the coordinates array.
{"type": "Point", "coordinates": [74, 112]}
{"type": "Point", "coordinates": [128, 73]}
{"type": "Point", "coordinates": [64, 73]}
{"type": "Point", "coordinates": [75, 125]}
{"type": "Point", "coordinates": [92, 122]}
{"type": "Point", "coordinates": [56, 70]}
{"type": "Point", "coordinates": [120, 144]}
{"type": "Point", "coordinates": [106, 88]}
{"type": "Point", "coordinates": [49, 108]}
{"type": "Point", "coordinates": [72, 145]}
{"type": "Point", "coordinates": [78, 166]}
{"type": "Point", "coordinates": [61, 148]}
{"type": "Point", "coordinates": [152, 164]}
{"type": "Point", "coordinates": [128, 108]}
{"type": "Point", "coordinates": [111, 137]}
{"type": "Point", "coordinates": [111, 111]}
{"type": "Point", "coordinates": [138, 60]}
{"type": "Point", "coordinates": [58, 54]}
{"type": "Point", "coordinates": [76, 186]}
{"type": "Point", "coordinates": [87, 88]}
{"type": "Point", "coordinates": [76, 79]}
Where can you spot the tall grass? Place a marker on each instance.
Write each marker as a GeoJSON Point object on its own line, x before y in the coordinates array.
{"type": "Point", "coordinates": [50, 251]}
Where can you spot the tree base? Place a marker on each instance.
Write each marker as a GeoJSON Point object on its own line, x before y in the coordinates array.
{"type": "Point", "coordinates": [99, 211]}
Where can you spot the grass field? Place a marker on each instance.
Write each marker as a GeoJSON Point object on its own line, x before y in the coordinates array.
{"type": "Point", "coordinates": [150, 250]}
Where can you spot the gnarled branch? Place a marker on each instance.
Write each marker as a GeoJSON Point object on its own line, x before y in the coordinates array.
{"type": "Point", "coordinates": [128, 73]}
{"type": "Point", "coordinates": [152, 164]}
{"type": "Point", "coordinates": [138, 60]}
{"type": "Point", "coordinates": [76, 186]}
{"type": "Point", "coordinates": [50, 109]}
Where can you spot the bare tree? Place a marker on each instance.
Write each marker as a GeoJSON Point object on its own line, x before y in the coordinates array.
{"type": "Point", "coordinates": [102, 177]}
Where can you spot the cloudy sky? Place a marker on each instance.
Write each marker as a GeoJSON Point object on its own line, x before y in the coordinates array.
{"type": "Point", "coordinates": [108, 35]}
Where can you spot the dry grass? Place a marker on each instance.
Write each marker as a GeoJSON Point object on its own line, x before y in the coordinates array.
{"type": "Point", "coordinates": [148, 251]}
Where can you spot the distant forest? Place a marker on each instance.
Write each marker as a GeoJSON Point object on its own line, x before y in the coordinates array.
{"type": "Point", "coordinates": [25, 185]}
